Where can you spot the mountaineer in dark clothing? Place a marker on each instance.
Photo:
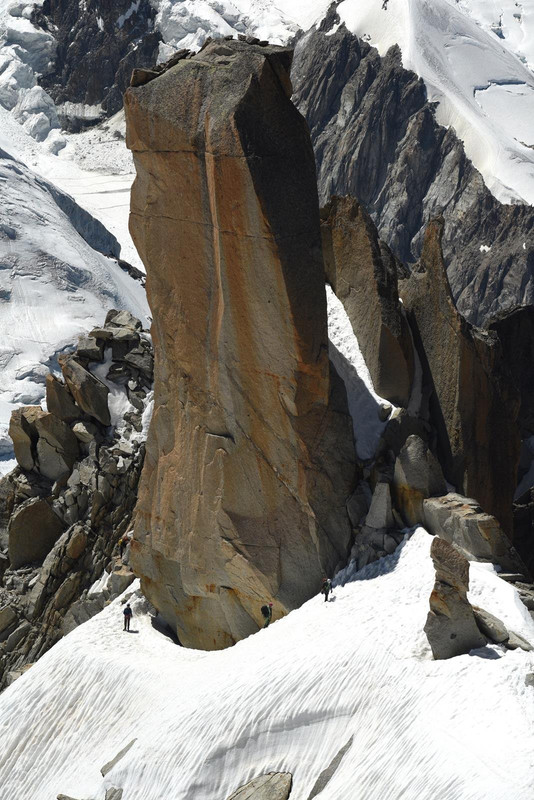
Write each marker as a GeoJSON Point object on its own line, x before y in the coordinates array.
{"type": "Point", "coordinates": [326, 588]}
{"type": "Point", "coordinates": [127, 617]}
{"type": "Point", "coordinates": [267, 612]}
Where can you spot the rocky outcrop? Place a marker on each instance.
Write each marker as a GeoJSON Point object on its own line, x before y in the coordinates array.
{"type": "Point", "coordinates": [33, 531]}
{"type": "Point", "coordinates": [98, 45]}
{"type": "Point", "coordinates": [90, 394]}
{"type": "Point", "coordinates": [250, 457]}
{"type": "Point", "coordinates": [417, 476]}
{"type": "Point", "coordinates": [62, 532]}
{"type": "Point", "coordinates": [273, 786]}
{"type": "Point", "coordinates": [473, 402]}
{"type": "Point", "coordinates": [363, 273]}
{"type": "Point", "coordinates": [476, 534]}
{"type": "Point", "coordinates": [375, 137]}
{"type": "Point", "coordinates": [450, 627]}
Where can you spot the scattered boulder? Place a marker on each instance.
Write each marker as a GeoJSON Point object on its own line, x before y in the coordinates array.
{"type": "Point", "coordinates": [250, 445]}
{"type": "Point", "coordinates": [380, 515]}
{"type": "Point", "coordinates": [273, 786]}
{"type": "Point", "coordinates": [33, 530]}
{"type": "Point", "coordinates": [90, 394]}
{"type": "Point", "coordinates": [122, 319]}
{"type": "Point", "coordinates": [473, 401]}
{"type": "Point", "coordinates": [363, 273]}
{"type": "Point", "coordinates": [85, 432]}
{"type": "Point", "coordinates": [461, 521]}
{"type": "Point", "coordinates": [451, 627]}
{"type": "Point", "coordinates": [7, 618]}
{"type": "Point", "coordinates": [57, 447]}
{"type": "Point", "coordinates": [90, 348]}
{"type": "Point", "coordinates": [417, 476]}
{"type": "Point", "coordinates": [59, 400]}
{"type": "Point", "coordinates": [24, 434]}
{"type": "Point", "coordinates": [517, 642]}
{"type": "Point", "coordinates": [491, 627]}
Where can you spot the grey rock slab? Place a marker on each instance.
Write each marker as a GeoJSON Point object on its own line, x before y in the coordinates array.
{"type": "Point", "coordinates": [110, 764]}
{"type": "Point", "coordinates": [90, 348]}
{"type": "Point", "coordinates": [518, 642]}
{"type": "Point", "coordinates": [90, 394]}
{"type": "Point", "coordinates": [17, 636]}
{"type": "Point", "coordinates": [7, 617]}
{"type": "Point", "coordinates": [273, 786]}
{"type": "Point", "coordinates": [380, 515]}
{"type": "Point", "coordinates": [461, 521]}
{"type": "Point", "coordinates": [491, 626]}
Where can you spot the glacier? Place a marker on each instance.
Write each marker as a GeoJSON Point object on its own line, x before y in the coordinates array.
{"type": "Point", "coordinates": [353, 673]}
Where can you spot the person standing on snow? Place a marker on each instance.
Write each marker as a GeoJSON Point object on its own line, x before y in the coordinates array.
{"type": "Point", "coordinates": [267, 612]}
{"type": "Point", "coordinates": [127, 617]}
{"type": "Point", "coordinates": [326, 588]}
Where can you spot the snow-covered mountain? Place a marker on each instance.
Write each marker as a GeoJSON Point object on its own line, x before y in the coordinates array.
{"type": "Point", "coordinates": [347, 685]}
{"type": "Point", "coordinates": [476, 59]}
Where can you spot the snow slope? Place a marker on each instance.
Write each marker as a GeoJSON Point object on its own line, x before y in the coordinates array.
{"type": "Point", "coordinates": [353, 673]}
{"type": "Point", "coordinates": [54, 283]}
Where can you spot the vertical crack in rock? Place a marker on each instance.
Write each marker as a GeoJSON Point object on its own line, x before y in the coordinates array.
{"type": "Point", "coordinates": [250, 456]}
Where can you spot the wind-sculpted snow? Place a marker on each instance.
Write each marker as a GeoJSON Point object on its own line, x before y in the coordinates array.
{"type": "Point", "coordinates": [354, 673]}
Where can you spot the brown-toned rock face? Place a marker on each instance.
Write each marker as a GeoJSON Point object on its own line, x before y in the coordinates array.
{"type": "Point", "coordinates": [250, 457]}
{"type": "Point", "coordinates": [363, 273]}
{"type": "Point", "coordinates": [473, 403]}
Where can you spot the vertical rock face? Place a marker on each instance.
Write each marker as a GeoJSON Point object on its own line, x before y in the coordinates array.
{"type": "Point", "coordinates": [376, 137]}
{"type": "Point", "coordinates": [363, 273]}
{"type": "Point", "coordinates": [250, 455]}
{"type": "Point", "coordinates": [473, 403]}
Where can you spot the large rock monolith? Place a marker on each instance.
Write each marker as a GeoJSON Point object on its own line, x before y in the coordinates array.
{"type": "Point", "coordinates": [473, 400]}
{"type": "Point", "coordinates": [250, 456]}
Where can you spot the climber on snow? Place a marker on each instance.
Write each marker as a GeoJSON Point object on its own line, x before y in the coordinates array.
{"type": "Point", "coordinates": [326, 588]}
{"type": "Point", "coordinates": [127, 616]}
{"type": "Point", "coordinates": [267, 612]}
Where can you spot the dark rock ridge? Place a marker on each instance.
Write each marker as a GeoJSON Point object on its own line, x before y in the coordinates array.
{"type": "Point", "coordinates": [473, 400]}
{"type": "Point", "coordinates": [250, 456]}
{"type": "Point", "coordinates": [375, 137]}
{"type": "Point", "coordinates": [71, 497]}
{"type": "Point", "coordinates": [99, 43]}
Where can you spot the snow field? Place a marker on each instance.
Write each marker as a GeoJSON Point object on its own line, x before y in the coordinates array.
{"type": "Point", "coordinates": [355, 671]}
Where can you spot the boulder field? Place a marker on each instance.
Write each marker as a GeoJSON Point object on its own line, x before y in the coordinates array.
{"type": "Point", "coordinates": [250, 454]}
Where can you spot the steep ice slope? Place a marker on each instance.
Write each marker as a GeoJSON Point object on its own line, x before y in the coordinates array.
{"type": "Point", "coordinates": [476, 59]}
{"type": "Point", "coordinates": [354, 672]}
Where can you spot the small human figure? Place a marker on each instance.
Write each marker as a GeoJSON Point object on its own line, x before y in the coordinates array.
{"type": "Point", "coordinates": [122, 545]}
{"type": "Point", "coordinates": [326, 588]}
{"type": "Point", "coordinates": [127, 616]}
{"type": "Point", "coordinates": [267, 612]}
